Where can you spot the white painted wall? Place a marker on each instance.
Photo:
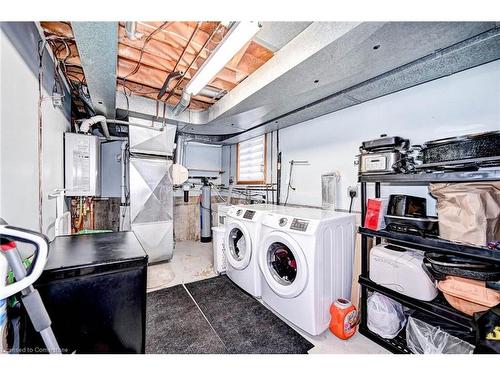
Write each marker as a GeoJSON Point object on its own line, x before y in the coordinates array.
{"type": "Point", "coordinates": [19, 130]}
{"type": "Point", "coordinates": [462, 103]}
{"type": "Point", "coordinates": [203, 159]}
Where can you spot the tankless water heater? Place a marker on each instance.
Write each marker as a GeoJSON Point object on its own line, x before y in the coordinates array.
{"type": "Point", "coordinates": [81, 165]}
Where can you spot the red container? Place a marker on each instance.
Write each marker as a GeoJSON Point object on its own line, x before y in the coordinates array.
{"type": "Point", "coordinates": [344, 318]}
{"type": "Point", "coordinates": [375, 211]}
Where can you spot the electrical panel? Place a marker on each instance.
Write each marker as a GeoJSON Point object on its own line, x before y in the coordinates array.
{"type": "Point", "coordinates": [81, 165]}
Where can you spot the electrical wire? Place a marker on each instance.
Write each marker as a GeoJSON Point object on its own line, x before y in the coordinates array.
{"type": "Point", "coordinates": [138, 65]}
{"type": "Point", "coordinates": [289, 184]}
{"type": "Point", "coordinates": [350, 204]}
{"type": "Point", "coordinates": [181, 79]}
{"type": "Point", "coordinates": [146, 41]}
{"type": "Point", "coordinates": [128, 106]}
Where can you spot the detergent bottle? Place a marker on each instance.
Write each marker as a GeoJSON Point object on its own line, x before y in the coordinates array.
{"type": "Point", "coordinates": [344, 318]}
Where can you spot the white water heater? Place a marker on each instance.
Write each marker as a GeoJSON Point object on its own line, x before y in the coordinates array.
{"type": "Point", "coordinates": [81, 165]}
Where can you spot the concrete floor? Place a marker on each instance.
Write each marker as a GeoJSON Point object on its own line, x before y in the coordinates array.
{"type": "Point", "coordinates": [193, 261]}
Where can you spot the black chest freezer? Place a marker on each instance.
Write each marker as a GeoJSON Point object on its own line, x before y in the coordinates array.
{"type": "Point", "coordinates": [94, 289]}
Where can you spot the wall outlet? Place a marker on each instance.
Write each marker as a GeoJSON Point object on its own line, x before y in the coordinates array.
{"type": "Point", "coordinates": [352, 191]}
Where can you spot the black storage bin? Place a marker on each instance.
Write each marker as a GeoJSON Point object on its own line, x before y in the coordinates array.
{"type": "Point", "coordinates": [94, 289]}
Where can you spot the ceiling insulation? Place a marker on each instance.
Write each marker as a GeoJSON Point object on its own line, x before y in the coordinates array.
{"type": "Point", "coordinates": [145, 63]}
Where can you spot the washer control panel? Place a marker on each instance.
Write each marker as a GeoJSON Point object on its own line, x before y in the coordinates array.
{"type": "Point", "coordinates": [299, 225]}
{"type": "Point", "coordinates": [249, 214]}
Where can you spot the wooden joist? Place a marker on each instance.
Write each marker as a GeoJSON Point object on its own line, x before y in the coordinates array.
{"type": "Point", "coordinates": [160, 56]}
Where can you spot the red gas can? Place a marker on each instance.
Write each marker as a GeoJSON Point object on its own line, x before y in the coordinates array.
{"type": "Point", "coordinates": [344, 318]}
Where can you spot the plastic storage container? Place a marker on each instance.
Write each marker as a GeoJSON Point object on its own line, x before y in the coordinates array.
{"type": "Point", "coordinates": [468, 296]}
{"type": "Point", "coordinates": [220, 261]}
{"type": "Point", "coordinates": [344, 318]}
{"type": "Point", "coordinates": [423, 338]}
{"type": "Point", "coordinates": [329, 182]}
{"type": "Point", "coordinates": [401, 269]}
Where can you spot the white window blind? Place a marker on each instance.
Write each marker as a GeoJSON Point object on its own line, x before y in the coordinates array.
{"type": "Point", "coordinates": [251, 160]}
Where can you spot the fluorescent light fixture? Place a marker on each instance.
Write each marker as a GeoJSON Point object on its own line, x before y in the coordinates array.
{"type": "Point", "coordinates": [233, 42]}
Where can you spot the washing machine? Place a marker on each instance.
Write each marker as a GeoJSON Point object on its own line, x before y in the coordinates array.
{"type": "Point", "coordinates": [242, 236]}
{"type": "Point", "coordinates": [306, 260]}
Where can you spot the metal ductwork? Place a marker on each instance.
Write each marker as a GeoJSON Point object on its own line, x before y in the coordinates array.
{"type": "Point", "coordinates": [183, 104]}
{"type": "Point", "coordinates": [331, 74]}
{"type": "Point", "coordinates": [475, 51]}
{"type": "Point", "coordinates": [210, 92]}
{"type": "Point", "coordinates": [98, 49]}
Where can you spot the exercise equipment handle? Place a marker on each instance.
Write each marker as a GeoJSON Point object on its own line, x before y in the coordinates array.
{"type": "Point", "coordinates": [8, 236]}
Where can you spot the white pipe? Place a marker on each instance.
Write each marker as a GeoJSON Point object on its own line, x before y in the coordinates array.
{"type": "Point", "coordinates": [131, 30]}
{"type": "Point", "coordinates": [212, 93]}
{"type": "Point", "coordinates": [113, 138]}
{"type": "Point", "coordinates": [124, 209]}
{"type": "Point", "coordinates": [88, 123]}
{"type": "Point", "coordinates": [183, 103]}
{"type": "Point", "coordinates": [124, 172]}
{"type": "Point", "coordinates": [179, 149]}
{"type": "Point", "coordinates": [127, 123]}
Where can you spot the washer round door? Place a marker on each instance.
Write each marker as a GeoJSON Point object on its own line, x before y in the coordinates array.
{"type": "Point", "coordinates": [283, 265]}
{"type": "Point", "coordinates": [237, 245]}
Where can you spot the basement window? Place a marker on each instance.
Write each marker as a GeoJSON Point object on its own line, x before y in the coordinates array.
{"type": "Point", "coordinates": [251, 161]}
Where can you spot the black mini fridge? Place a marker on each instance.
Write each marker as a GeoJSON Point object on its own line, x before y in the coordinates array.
{"type": "Point", "coordinates": [94, 289]}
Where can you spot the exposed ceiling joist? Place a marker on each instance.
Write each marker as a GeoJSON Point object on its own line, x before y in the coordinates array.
{"type": "Point", "coordinates": [148, 60]}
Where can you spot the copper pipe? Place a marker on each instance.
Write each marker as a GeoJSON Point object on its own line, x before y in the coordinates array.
{"type": "Point", "coordinates": [194, 60]}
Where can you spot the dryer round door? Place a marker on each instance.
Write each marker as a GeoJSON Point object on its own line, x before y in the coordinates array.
{"type": "Point", "coordinates": [283, 265]}
{"type": "Point", "coordinates": [238, 245]}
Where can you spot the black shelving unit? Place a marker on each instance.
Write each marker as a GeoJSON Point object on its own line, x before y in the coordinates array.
{"type": "Point", "coordinates": [438, 307]}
